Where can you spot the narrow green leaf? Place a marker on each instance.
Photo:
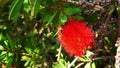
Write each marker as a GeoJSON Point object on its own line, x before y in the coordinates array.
{"type": "Point", "coordinates": [24, 58]}
{"type": "Point", "coordinates": [15, 9]}
{"type": "Point", "coordinates": [31, 2]}
{"type": "Point", "coordinates": [62, 18]}
{"type": "Point", "coordinates": [72, 10]}
{"type": "Point", "coordinates": [82, 59]}
{"type": "Point", "coordinates": [1, 47]}
{"type": "Point", "coordinates": [112, 10]}
{"type": "Point", "coordinates": [2, 57]}
{"type": "Point", "coordinates": [36, 7]}
{"type": "Point", "coordinates": [87, 65]}
{"type": "Point", "coordinates": [1, 36]}
{"type": "Point", "coordinates": [6, 44]}
{"type": "Point", "coordinates": [10, 60]}
{"type": "Point", "coordinates": [10, 42]}
{"type": "Point", "coordinates": [28, 50]}
{"type": "Point", "coordinates": [93, 65]}
{"type": "Point", "coordinates": [27, 63]}
{"type": "Point", "coordinates": [52, 17]}
{"type": "Point", "coordinates": [90, 65]}
{"type": "Point", "coordinates": [59, 65]}
{"type": "Point", "coordinates": [79, 17]}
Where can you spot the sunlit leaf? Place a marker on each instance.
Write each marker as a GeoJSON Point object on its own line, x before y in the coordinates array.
{"type": "Point", "coordinates": [82, 59]}
{"type": "Point", "coordinates": [90, 65]}
{"type": "Point", "coordinates": [27, 7]}
{"type": "Point", "coordinates": [1, 47]}
{"type": "Point", "coordinates": [25, 58]}
{"type": "Point", "coordinates": [93, 65]}
{"type": "Point", "coordinates": [118, 7]}
{"type": "Point", "coordinates": [62, 18]}
{"type": "Point", "coordinates": [87, 65]}
{"type": "Point", "coordinates": [60, 64]}
{"type": "Point", "coordinates": [89, 54]}
{"type": "Point", "coordinates": [27, 63]}
{"type": "Point", "coordinates": [6, 43]}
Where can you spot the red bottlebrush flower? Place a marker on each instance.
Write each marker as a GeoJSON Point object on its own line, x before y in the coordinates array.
{"type": "Point", "coordinates": [76, 37]}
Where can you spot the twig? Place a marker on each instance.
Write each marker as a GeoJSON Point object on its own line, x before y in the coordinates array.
{"type": "Point", "coordinates": [17, 52]}
{"type": "Point", "coordinates": [103, 29]}
{"type": "Point", "coordinates": [95, 58]}
{"type": "Point", "coordinates": [117, 57]}
{"type": "Point", "coordinates": [103, 57]}
{"type": "Point", "coordinates": [69, 66]}
{"type": "Point", "coordinates": [59, 53]}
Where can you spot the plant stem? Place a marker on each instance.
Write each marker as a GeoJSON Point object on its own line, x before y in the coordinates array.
{"type": "Point", "coordinates": [69, 66]}
{"type": "Point", "coordinates": [59, 52]}
{"type": "Point", "coordinates": [117, 57]}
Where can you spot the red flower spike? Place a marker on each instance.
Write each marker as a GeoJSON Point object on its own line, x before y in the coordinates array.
{"type": "Point", "coordinates": [76, 37]}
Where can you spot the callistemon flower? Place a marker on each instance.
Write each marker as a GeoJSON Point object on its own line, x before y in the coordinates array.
{"type": "Point", "coordinates": [76, 37]}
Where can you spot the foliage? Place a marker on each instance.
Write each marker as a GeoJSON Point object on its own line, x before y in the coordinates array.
{"type": "Point", "coordinates": [28, 30]}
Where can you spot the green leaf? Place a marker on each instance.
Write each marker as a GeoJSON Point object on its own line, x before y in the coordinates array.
{"type": "Point", "coordinates": [6, 44]}
{"type": "Point", "coordinates": [93, 65]}
{"type": "Point", "coordinates": [15, 9]}
{"type": "Point", "coordinates": [31, 2]}
{"type": "Point", "coordinates": [118, 7]}
{"type": "Point", "coordinates": [10, 60]}
{"type": "Point", "coordinates": [79, 17]}
{"type": "Point", "coordinates": [28, 50]}
{"type": "Point", "coordinates": [87, 65]}
{"type": "Point", "coordinates": [1, 36]}
{"type": "Point", "coordinates": [72, 10]}
{"type": "Point", "coordinates": [90, 65]}
{"type": "Point", "coordinates": [24, 58]}
{"type": "Point", "coordinates": [10, 42]}
{"type": "Point", "coordinates": [112, 10]}
{"type": "Point", "coordinates": [27, 63]}
{"type": "Point", "coordinates": [2, 57]}
{"type": "Point", "coordinates": [89, 54]}
{"type": "Point", "coordinates": [82, 59]}
{"type": "Point", "coordinates": [59, 65]}
{"type": "Point", "coordinates": [36, 7]}
{"type": "Point", "coordinates": [62, 18]}
{"type": "Point", "coordinates": [52, 17]}
{"type": "Point", "coordinates": [27, 7]}
{"type": "Point", "coordinates": [1, 47]}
